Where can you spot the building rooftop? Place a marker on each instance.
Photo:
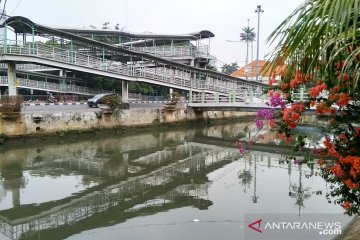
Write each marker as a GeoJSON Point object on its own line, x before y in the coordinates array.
{"type": "Point", "coordinates": [249, 70]}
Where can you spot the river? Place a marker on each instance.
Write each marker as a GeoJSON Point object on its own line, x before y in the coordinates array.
{"type": "Point", "coordinates": [172, 183]}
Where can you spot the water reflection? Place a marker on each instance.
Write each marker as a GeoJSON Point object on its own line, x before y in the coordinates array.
{"type": "Point", "coordinates": [298, 191]}
{"type": "Point", "coordinates": [62, 190]}
{"type": "Point", "coordinates": [13, 180]}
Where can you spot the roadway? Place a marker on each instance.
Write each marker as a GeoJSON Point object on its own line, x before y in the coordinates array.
{"type": "Point", "coordinates": [82, 108]}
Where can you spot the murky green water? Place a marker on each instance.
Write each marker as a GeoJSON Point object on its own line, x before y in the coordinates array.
{"type": "Point", "coordinates": [163, 184]}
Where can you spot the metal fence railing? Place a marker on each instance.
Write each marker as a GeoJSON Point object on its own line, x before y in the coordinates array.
{"type": "Point", "coordinates": [180, 77]}
{"type": "Point", "coordinates": [55, 87]}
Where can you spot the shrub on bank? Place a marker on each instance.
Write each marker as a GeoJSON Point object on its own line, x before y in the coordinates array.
{"type": "Point", "coordinates": [114, 103]}
{"type": "Point", "coordinates": [10, 104]}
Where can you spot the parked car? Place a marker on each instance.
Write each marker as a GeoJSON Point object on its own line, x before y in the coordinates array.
{"type": "Point", "coordinates": [98, 99]}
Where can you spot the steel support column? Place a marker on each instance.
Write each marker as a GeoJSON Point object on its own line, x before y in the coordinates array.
{"type": "Point", "coordinates": [33, 39]}
{"type": "Point", "coordinates": [234, 96]}
{"type": "Point", "coordinates": [71, 51]}
{"type": "Point", "coordinates": [217, 98]}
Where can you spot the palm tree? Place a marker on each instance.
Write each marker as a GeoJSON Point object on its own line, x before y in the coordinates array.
{"type": "Point", "coordinates": [246, 177]}
{"type": "Point", "coordinates": [248, 36]}
{"type": "Point", "coordinates": [317, 35]}
{"type": "Point", "coordinates": [229, 68]}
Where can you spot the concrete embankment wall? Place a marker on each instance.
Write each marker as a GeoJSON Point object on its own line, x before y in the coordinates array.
{"type": "Point", "coordinates": [37, 123]}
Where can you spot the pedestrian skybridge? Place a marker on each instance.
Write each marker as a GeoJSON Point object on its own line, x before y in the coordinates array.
{"type": "Point", "coordinates": [65, 50]}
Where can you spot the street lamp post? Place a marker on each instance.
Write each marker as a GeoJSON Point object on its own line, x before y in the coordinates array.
{"type": "Point", "coordinates": [258, 11]}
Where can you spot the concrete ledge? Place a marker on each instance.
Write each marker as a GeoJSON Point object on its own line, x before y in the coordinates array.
{"type": "Point", "coordinates": [82, 103]}
{"type": "Point", "coordinates": [51, 122]}
{"type": "Point", "coordinates": [139, 101]}
{"type": "Point", "coordinates": [53, 104]}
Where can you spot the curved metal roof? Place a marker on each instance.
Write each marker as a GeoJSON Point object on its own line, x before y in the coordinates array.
{"type": "Point", "coordinates": [110, 32]}
{"type": "Point", "coordinates": [23, 25]}
{"type": "Point", "coordinates": [19, 24]}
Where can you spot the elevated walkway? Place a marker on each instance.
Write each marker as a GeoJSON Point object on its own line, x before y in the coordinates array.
{"type": "Point", "coordinates": [173, 78]}
{"type": "Point", "coordinates": [116, 62]}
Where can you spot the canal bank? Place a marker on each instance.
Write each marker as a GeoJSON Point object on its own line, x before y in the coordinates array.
{"type": "Point", "coordinates": [27, 124]}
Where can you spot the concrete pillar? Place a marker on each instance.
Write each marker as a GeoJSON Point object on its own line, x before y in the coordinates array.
{"type": "Point", "coordinates": [62, 82]}
{"type": "Point", "coordinates": [124, 91]}
{"type": "Point", "coordinates": [62, 73]}
{"type": "Point", "coordinates": [12, 78]}
{"type": "Point", "coordinates": [171, 93]}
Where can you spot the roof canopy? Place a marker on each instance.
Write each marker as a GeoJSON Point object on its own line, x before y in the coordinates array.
{"type": "Point", "coordinates": [24, 25]}
{"type": "Point", "coordinates": [19, 24]}
{"type": "Point", "coordinates": [118, 33]}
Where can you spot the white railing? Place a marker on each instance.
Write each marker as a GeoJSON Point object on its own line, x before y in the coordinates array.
{"type": "Point", "coordinates": [245, 96]}
{"type": "Point", "coordinates": [179, 76]}
{"type": "Point", "coordinates": [299, 96]}
{"type": "Point", "coordinates": [30, 67]}
{"type": "Point", "coordinates": [175, 51]}
{"type": "Point", "coordinates": [146, 98]}
{"type": "Point", "coordinates": [27, 67]}
{"type": "Point", "coordinates": [49, 86]}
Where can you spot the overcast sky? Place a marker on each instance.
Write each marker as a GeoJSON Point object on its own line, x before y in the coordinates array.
{"type": "Point", "coordinates": [225, 18]}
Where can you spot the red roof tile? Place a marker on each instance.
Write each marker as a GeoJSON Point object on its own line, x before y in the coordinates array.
{"type": "Point", "coordinates": [249, 70]}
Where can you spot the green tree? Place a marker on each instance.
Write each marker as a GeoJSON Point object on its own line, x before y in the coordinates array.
{"type": "Point", "coordinates": [211, 67]}
{"type": "Point", "coordinates": [52, 43]}
{"type": "Point", "coordinates": [317, 34]}
{"type": "Point", "coordinates": [248, 36]}
{"type": "Point", "coordinates": [99, 82]}
{"type": "Point", "coordinates": [229, 68]}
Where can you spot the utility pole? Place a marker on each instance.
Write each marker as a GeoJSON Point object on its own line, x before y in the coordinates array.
{"type": "Point", "coordinates": [258, 11]}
